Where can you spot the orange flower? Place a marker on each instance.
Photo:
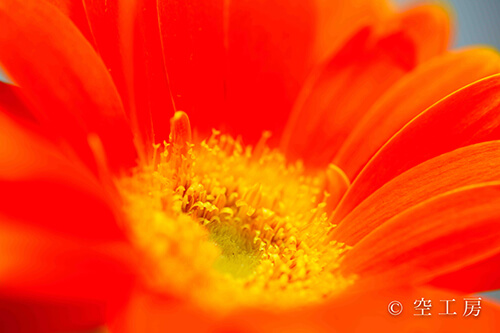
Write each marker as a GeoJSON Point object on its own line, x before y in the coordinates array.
{"type": "Point", "coordinates": [382, 185]}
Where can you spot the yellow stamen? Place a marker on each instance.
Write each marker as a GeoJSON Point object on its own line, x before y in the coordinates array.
{"type": "Point", "coordinates": [228, 225]}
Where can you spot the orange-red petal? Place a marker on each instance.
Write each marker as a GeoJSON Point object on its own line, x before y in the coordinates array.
{"type": "Point", "coordinates": [27, 315]}
{"type": "Point", "coordinates": [45, 275]}
{"type": "Point", "coordinates": [438, 236]}
{"type": "Point", "coordinates": [152, 96]}
{"type": "Point", "coordinates": [337, 20]}
{"type": "Point", "coordinates": [152, 312]}
{"type": "Point", "coordinates": [335, 98]}
{"type": "Point", "coordinates": [64, 79]}
{"type": "Point", "coordinates": [191, 35]}
{"type": "Point", "coordinates": [235, 65]}
{"type": "Point", "coordinates": [470, 115]}
{"type": "Point", "coordinates": [480, 276]}
{"type": "Point", "coordinates": [128, 39]}
{"type": "Point", "coordinates": [269, 56]}
{"type": "Point", "coordinates": [411, 95]}
{"type": "Point", "coordinates": [111, 27]}
{"type": "Point", "coordinates": [42, 265]}
{"type": "Point", "coordinates": [358, 311]}
{"type": "Point", "coordinates": [76, 12]}
{"type": "Point", "coordinates": [61, 249]}
{"type": "Point", "coordinates": [465, 166]}
{"type": "Point", "coordinates": [42, 187]}
{"type": "Point", "coordinates": [353, 311]}
{"type": "Point", "coordinates": [13, 102]}
{"type": "Point", "coordinates": [424, 21]}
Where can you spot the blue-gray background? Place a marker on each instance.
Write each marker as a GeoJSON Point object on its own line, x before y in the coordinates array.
{"type": "Point", "coordinates": [477, 22]}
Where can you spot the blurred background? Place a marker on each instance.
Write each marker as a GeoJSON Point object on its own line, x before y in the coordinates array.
{"type": "Point", "coordinates": [476, 22]}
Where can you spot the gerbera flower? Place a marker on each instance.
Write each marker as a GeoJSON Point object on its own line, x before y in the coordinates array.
{"type": "Point", "coordinates": [244, 166]}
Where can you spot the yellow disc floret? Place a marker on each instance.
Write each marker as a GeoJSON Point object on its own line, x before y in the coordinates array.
{"type": "Point", "coordinates": [230, 225]}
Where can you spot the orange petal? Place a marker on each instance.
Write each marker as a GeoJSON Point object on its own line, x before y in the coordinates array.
{"type": "Point", "coordinates": [76, 12]}
{"type": "Point", "coordinates": [333, 101]}
{"type": "Point", "coordinates": [480, 276]}
{"type": "Point", "coordinates": [150, 312]}
{"type": "Point", "coordinates": [236, 65]}
{"type": "Point", "coordinates": [12, 101]}
{"type": "Point", "coordinates": [269, 48]}
{"type": "Point", "coordinates": [337, 20]}
{"type": "Point", "coordinates": [429, 83]}
{"type": "Point", "coordinates": [468, 116]}
{"type": "Point", "coordinates": [352, 311]}
{"type": "Point", "coordinates": [424, 21]}
{"type": "Point", "coordinates": [128, 39]}
{"type": "Point", "coordinates": [470, 165]}
{"type": "Point", "coordinates": [191, 35]}
{"type": "Point", "coordinates": [438, 236]}
{"type": "Point", "coordinates": [42, 187]}
{"type": "Point", "coordinates": [153, 97]}
{"type": "Point", "coordinates": [109, 30]}
{"type": "Point", "coordinates": [368, 312]}
{"type": "Point", "coordinates": [50, 283]}
{"type": "Point", "coordinates": [64, 79]}
{"type": "Point", "coordinates": [36, 316]}
{"type": "Point", "coordinates": [41, 265]}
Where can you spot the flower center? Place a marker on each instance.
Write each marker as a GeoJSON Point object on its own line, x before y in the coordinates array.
{"type": "Point", "coordinates": [230, 225]}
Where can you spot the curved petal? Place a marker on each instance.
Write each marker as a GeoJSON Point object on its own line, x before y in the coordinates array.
{"type": "Point", "coordinates": [76, 12]}
{"type": "Point", "coordinates": [368, 312]}
{"type": "Point", "coordinates": [42, 187]}
{"type": "Point", "coordinates": [60, 246]}
{"type": "Point", "coordinates": [414, 93]}
{"type": "Point", "coordinates": [51, 283]}
{"type": "Point", "coordinates": [470, 165]}
{"type": "Point", "coordinates": [234, 65]}
{"type": "Point", "coordinates": [192, 40]}
{"type": "Point", "coordinates": [197, 41]}
{"type": "Point", "coordinates": [41, 265]}
{"type": "Point", "coordinates": [349, 312]}
{"type": "Point", "coordinates": [269, 52]}
{"type": "Point", "coordinates": [13, 102]}
{"type": "Point", "coordinates": [468, 116]}
{"type": "Point", "coordinates": [427, 20]}
{"type": "Point", "coordinates": [48, 316]}
{"type": "Point", "coordinates": [128, 39]}
{"type": "Point", "coordinates": [438, 236]}
{"type": "Point", "coordinates": [153, 98]}
{"type": "Point", "coordinates": [337, 20]}
{"type": "Point", "coordinates": [110, 28]}
{"type": "Point", "coordinates": [480, 276]}
{"type": "Point", "coordinates": [150, 312]}
{"type": "Point", "coordinates": [333, 101]}
{"type": "Point", "coordinates": [67, 83]}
